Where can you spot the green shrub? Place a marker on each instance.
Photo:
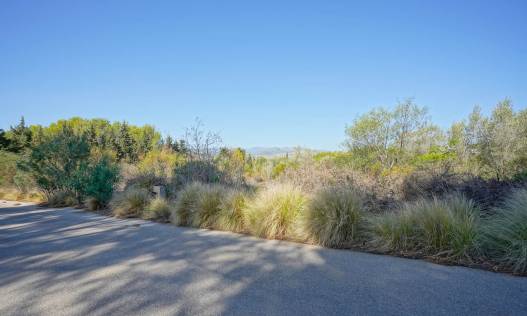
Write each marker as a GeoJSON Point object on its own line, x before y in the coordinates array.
{"type": "Point", "coordinates": [231, 216]}
{"type": "Point", "coordinates": [158, 209]}
{"type": "Point", "coordinates": [184, 212]}
{"type": "Point", "coordinates": [62, 199]}
{"type": "Point", "coordinates": [101, 177]}
{"type": "Point", "coordinates": [130, 203]}
{"type": "Point", "coordinates": [334, 217]}
{"type": "Point", "coordinates": [505, 234]}
{"type": "Point", "coordinates": [274, 212]}
{"type": "Point", "coordinates": [446, 228]}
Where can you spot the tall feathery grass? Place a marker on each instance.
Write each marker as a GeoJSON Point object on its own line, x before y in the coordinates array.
{"type": "Point", "coordinates": [504, 237]}
{"type": "Point", "coordinates": [207, 206]}
{"type": "Point", "coordinates": [62, 199]}
{"type": "Point", "coordinates": [334, 217]}
{"type": "Point", "coordinates": [130, 203]}
{"type": "Point", "coordinates": [447, 228]}
{"type": "Point", "coordinates": [274, 212]}
{"type": "Point", "coordinates": [231, 215]}
{"type": "Point", "coordinates": [184, 212]}
{"type": "Point", "coordinates": [158, 209]}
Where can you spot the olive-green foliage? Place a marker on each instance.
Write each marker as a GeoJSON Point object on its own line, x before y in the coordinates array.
{"type": "Point", "coordinates": [232, 163]}
{"type": "Point", "coordinates": [158, 209]}
{"type": "Point", "coordinates": [8, 168]}
{"type": "Point", "coordinates": [130, 203]}
{"type": "Point", "coordinates": [12, 177]}
{"type": "Point", "coordinates": [446, 228]}
{"type": "Point", "coordinates": [128, 142]}
{"type": "Point", "coordinates": [66, 163]}
{"type": "Point", "coordinates": [387, 137]}
{"type": "Point", "coordinates": [184, 212]}
{"type": "Point", "coordinates": [505, 234]}
{"type": "Point", "coordinates": [60, 163]}
{"type": "Point", "coordinates": [274, 212]}
{"type": "Point", "coordinates": [231, 216]}
{"type": "Point", "coordinates": [161, 163]}
{"type": "Point", "coordinates": [334, 217]}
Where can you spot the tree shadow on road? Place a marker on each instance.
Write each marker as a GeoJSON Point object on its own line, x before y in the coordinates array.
{"type": "Point", "coordinates": [108, 266]}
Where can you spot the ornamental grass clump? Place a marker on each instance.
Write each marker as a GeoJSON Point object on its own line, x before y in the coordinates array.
{"type": "Point", "coordinates": [446, 228]}
{"type": "Point", "coordinates": [504, 237]}
{"type": "Point", "coordinates": [274, 212]}
{"type": "Point", "coordinates": [130, 203]}
{"type": "Point", "coordinates": [62, 199]}
{"type": "Point", "coordinates": [207, 206]}
{"type": "Point", "coordinates": [334, 217]}
{"type": "Point", "coordinates": [231, 214]}
{"type": "Point", "coordinates": [158, 209]}
{"type": "Point", "coordinates": [184, 212]}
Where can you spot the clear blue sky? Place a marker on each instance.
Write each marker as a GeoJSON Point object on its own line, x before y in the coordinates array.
{"type": "Point", "coordinates": [261, 73]}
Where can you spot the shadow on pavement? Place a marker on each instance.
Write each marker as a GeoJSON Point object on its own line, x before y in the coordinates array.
{"type": "Point", "coordinates": [65, 261]}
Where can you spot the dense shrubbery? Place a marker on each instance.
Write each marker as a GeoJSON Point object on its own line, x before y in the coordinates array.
{"type": "Point", "coordinates": [423, 191]}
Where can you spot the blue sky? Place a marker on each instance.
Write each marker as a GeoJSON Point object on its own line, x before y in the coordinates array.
{"type": "Point", "coordinates": [262, 73]}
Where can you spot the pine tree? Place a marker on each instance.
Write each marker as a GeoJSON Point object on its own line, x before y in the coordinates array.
{"type": "Point", "coordinates": [20, 137]}
{"type": "Point", "coordinates": [4, 141]}
{"type": "Point", "coordinates": [125, 144]}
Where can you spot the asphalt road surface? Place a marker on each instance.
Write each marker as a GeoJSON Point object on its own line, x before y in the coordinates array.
{"type": "Point", "coordinates": [72, 262]}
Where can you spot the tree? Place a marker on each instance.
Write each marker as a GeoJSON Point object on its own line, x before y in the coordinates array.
{"type": "Point", "coordinates": [200, 144]}
{"type": "Point", "coordinates": [409, 122]}
{"type": "Point", "coordinates": [502, 141]}
{"type": "Point", "coordinates": [4, 141]}
{"type": "Point", "coordinates": [19, 137]}
{"type": "Point", "coordinates": [125, 144]}
{"type": "Point", "coordinates": [370, 136]}
{"type": "Point", "coordinates": [59, 163]}
{"type": "Point", "coordinates": [391, 137]}
{"type": "Point", "coordinates": [232, 163]}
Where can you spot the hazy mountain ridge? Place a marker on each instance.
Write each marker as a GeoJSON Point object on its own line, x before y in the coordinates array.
{"type": "Point", "coordinates": [275, 151]}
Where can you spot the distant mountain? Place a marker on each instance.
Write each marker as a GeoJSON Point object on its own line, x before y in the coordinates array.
{"type": "Point", "coordinates": [275, 151]}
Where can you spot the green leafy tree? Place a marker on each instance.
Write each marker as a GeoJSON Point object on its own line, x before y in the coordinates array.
{"type": "Point", "coordinates": [386, 138]}
{"type": "Point", "coordinates": [58, 163]}
{"type": "Point", "coordinates": [502, 142]}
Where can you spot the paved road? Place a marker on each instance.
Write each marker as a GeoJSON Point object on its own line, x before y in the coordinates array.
{"type": "Point", "coordinates": [71, 262]}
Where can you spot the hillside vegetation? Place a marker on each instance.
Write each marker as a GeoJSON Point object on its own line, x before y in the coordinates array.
{"type": "Point", "coordinates": [402, 185]}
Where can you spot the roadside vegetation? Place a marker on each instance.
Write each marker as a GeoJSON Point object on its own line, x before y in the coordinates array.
{"type": "Point", "coordinates": [401, 186]}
